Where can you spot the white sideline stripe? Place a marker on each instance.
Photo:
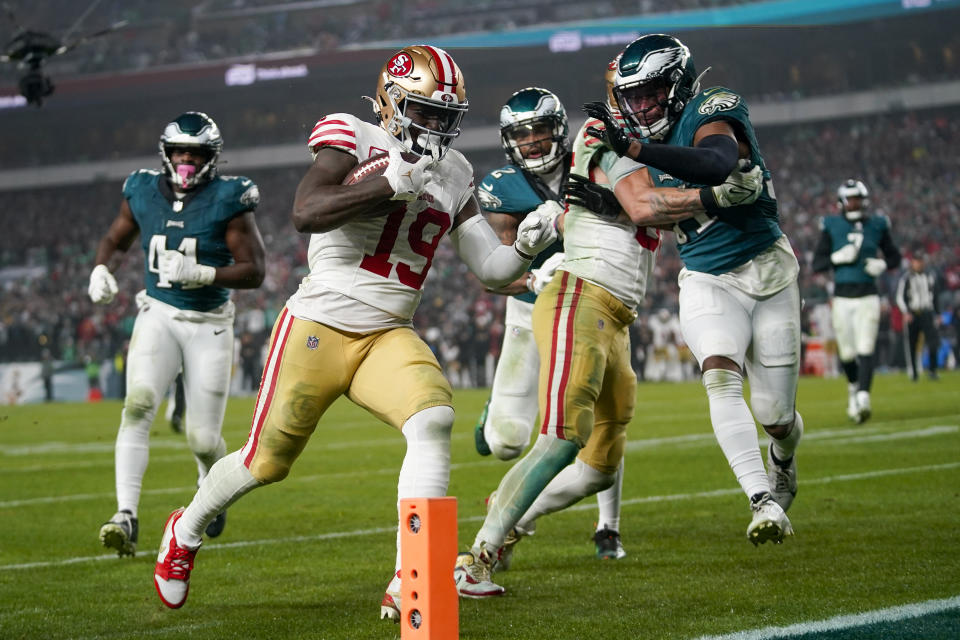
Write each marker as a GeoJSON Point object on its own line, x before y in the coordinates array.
{"type": "Point", "coordinates": [85, 464]}
{"type": "Point", "coordinates": [874, 434]}
{"type": "Point", "coordinates": [192, 489]}
{"type": "Point", "coordinates": [576, 507]}
{"type": "Point", "coordinates": [838, 623]}
{"type": "Point", "coordinates": [858, 437]}
{"type": "Point", "coordinates": [56, 448]}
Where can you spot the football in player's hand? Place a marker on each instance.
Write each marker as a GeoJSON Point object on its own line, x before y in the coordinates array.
{"type": "Point", "coordinates": [374, 166]}
{"type": "Point", "coordinates": [371, 168]}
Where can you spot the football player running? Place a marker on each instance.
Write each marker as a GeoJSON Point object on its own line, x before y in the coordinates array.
{"type": "Point", "coordinates": [348, 329]}
{"type": "Point", "coordinates": [587, 387]}
{"type": "Point", "coordinates": [849, 243]}
{"type": "Point", "coordinates": [200, 238]}
{"type": "Point", "coordinates": [739, 299]}
{"type": "Point", "coordinates": [534, 135]}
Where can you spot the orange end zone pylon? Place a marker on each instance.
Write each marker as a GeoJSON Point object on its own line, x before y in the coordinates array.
{"type": "Point", "coordinates": [429, 608]}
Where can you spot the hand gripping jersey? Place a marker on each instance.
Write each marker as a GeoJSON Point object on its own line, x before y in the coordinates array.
{"type": "Point", "coordinates": [368, 274]}
{"type": "Point", "coordinates": [616, 255]}
{"type": "Point", "coordinates": [508, 190]}
{"type": "Point", "coordinates": [852, 279]}
{"type": "Point", "coordinates": [720, 244]}
{"type": "Point", "coordinates": [195, 226]}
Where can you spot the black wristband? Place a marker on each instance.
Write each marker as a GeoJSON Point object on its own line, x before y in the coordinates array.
{"type": "Point", "coordinates": [708, 200]}
{"type": "Point", "coordinates": [523, 255]}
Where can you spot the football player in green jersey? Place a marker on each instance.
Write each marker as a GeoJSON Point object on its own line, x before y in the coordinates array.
{"type": "Point", "coordinates": [200, 239]}
{"type": "Point", "coordinates": [695, 160]}
{"type": "Point", "coordinates": [848, 245]}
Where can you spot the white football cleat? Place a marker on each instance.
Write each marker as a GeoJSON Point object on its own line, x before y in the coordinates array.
{"type": "Point", "coordinates": [472, 576]}
{"type": "Point", "coordinates": [853, 409]}
{"type": "Point", "coordinates": [390, 605]}
{"type": "Point", "coordinates": [769, 521]}
{"type": "Point", "coordinates": [783, 479]}
{"type": "Point", "coordinates": [171, 574]}
{"type": "Point", "coordinates": [863, 406]}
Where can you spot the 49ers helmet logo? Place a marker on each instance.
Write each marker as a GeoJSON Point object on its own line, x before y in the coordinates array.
{"type": "Point", "coordinates": [400, 65]}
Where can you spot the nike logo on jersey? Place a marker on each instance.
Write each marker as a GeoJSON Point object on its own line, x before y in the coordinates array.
{"type": "Point", "coordinates": [217, 332]}
{"type": "Point", "coordinates": [175, 223]}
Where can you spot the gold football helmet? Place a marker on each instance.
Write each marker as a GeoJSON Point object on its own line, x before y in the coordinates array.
{"type": "Point", "coordinates": [610, 77]}
{"type": "Point", "coordinates": [421, 99]}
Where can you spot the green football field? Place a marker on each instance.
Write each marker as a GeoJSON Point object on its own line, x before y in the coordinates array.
{"type": "Point", "coordinates": [876, 552]}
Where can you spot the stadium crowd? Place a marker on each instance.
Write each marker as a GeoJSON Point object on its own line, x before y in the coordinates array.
{"type": "Point", "coordinates": [883, 52]}
{"type": "Point", "coordinates": [912, 174]}
{"type": "Point", "coordinates": [208, 31]}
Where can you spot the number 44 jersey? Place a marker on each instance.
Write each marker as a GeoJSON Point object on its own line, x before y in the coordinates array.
{"type": "Point", "coordinates": [368, 274]}
{"type": "Point", "coordinates": [195, 226]}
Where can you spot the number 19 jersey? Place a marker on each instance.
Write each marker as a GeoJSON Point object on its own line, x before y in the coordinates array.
{"type": "Point", "coordinates": [368, 274]}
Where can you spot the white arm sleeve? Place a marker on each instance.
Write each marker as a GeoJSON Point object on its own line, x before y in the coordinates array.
{"type": "Point", "coordinates": [496, 264]}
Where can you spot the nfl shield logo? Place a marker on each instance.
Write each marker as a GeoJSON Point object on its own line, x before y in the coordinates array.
{"type": "Point", "coordinates": [313, 342]}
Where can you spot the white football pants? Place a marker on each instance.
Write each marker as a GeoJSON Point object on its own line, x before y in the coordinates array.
{"type": "Point", "coordinates": [513, 410]}
{"type": "Point", "coordinates": [164, 340]}
{"type": "Point", "coordinates": [760, 334]}
{"type": "Point", "coordinates": [856, 322]}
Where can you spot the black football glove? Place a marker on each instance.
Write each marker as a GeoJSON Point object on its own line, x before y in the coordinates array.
{"type": "Point", "coordinates": [612, 134]}
{"type": "Point", "coordinates": [584, 193]}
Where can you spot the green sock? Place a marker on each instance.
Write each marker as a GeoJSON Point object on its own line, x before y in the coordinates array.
{"type": "Point", "coordinates": [521, 486]}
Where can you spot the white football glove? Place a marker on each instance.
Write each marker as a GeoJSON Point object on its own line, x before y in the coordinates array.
{"type": "Point", "coordinates": [740, 187]}
{"type": "Point", "coordinates": [407, 179]}
{"type": "Point", "coordinates": [177, 268]}
{"type": "Point", "coordinates": [875, 267]}
{"type": "Point", "coordinates": [544, 273]}
{"type": "Point", "coordinates": [847, 254]}
{"type": "Point", "coordinates": [537, 231]}
{"type": "Point", "coordinates": [103, 286]}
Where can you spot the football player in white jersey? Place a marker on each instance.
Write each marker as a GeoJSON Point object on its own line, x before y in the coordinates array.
{"type": "Point", "coordinates": [534, 134]}
{"type": "Point", "coordinates": [348, 329]}
{"type": "Point", "coordinates": [587, 386]}
{"type": "Point", "coordinates": [200, 239]}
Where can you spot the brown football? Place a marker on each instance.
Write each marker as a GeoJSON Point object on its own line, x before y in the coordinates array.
{"type": "Point", "coordinates": [370, 168]}
{"type": "Point", "coordinates": [374, 166]}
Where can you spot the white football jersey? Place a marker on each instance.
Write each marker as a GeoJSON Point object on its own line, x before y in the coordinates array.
{"type": "Point", "coordinates": [368, 274]}
{"type": "Point", "coordinates": [616, 255]}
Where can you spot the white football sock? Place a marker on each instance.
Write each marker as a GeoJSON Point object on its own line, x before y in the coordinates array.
{"type": "Point", "coordinates": [132, 452]}
{"type": "Point", "coordinates": [425, 472]}
{"type": "Point", "coordinates": [574, 482]}
{"type": "Point", "coordinates": [735, 429]}
{"type": "Point", "coordinates": [608, 503]}
{"type": "Point", "coordinates": [227, 481]}
{"type": "Point", "coordinates": [783, 449]}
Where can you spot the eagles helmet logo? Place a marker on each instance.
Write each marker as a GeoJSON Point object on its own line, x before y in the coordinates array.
{"type": "Point", "coordinates": [721, 101]}
{"type": "Point", "coordinates": [656, 62]}
{"type": "Point", "coordinates": [488, 200]}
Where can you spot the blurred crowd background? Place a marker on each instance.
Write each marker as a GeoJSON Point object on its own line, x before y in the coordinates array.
{"type": "Point", "coordinates": [905, 154]}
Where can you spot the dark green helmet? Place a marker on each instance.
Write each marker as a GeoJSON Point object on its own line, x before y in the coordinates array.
{"type": "Point", "coordinates": [196, 131]}
{"type": "Point", "coordinates": [655, 80]}
{"type": "Point", "coordinates": [532, 115]}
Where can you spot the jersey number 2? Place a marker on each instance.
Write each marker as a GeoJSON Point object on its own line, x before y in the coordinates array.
{"type": "Point", "coordinates": [380, 264]}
